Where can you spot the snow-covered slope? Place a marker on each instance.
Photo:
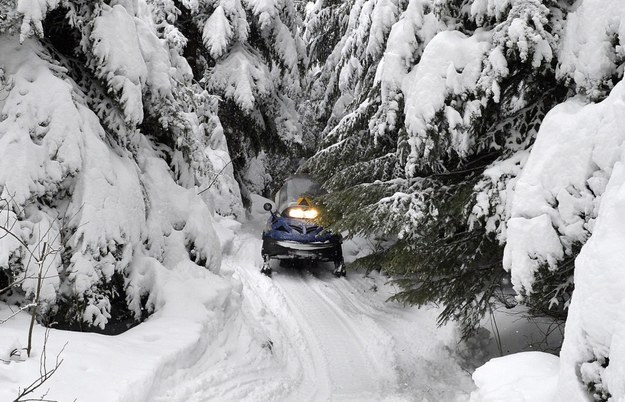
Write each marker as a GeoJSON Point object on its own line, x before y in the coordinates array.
{"type": "Point", "coordinates": [521, 377]}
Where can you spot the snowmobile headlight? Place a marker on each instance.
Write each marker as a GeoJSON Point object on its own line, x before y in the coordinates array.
{"type": "Point", "coordinates": [296, 213]}
{"type": "Point", "coordinates": [300, 213]}
{"type": "Point", "coordinates": [311, 213]}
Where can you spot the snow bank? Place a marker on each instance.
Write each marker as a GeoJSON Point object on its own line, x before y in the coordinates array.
{"type": "Point", "coordinates": [593, 353]}
{"type": "Point", "coordinates": [571, 194]}
{"type": "Point", "coordinates": [193, 305]}
{"type": "Point", "coordinates": [521, 377]}
{"type": "Point", "coordinates": [127, 214]}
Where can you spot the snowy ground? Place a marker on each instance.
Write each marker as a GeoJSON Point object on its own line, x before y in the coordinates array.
{"type": "Point", "coordinates": [301, 335]}
{"type": "Point", "coordinates": [305, 335]}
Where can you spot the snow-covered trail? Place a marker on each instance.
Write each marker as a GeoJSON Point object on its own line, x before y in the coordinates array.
{"type": "Point", "coordinates": [344, 367]}
{"type": "Point", "coordinates": [304, 335]}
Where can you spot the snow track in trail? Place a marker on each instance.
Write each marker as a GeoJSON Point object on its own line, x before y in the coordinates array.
{"type": "Point", "coordinates": [334, 339]}
{"type": "Point", "coordinates": [304, 335]}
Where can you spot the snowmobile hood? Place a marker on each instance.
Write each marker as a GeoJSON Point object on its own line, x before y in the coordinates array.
{"type": "Point", "coordinates": [300, 230]}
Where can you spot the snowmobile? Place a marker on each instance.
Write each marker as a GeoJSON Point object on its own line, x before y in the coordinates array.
{"type": "Point", "coordinates": [292, 232]}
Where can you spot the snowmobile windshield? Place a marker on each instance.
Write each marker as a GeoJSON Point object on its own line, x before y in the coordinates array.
{"type": "Point", "coordinates": [294, 188]}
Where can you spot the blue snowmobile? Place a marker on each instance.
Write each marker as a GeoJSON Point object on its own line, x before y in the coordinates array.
{"type": "Point", "coordinates": [291, 232]}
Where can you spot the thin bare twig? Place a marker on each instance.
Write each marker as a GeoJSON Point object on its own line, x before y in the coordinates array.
{"type": "Point", "coordinates": [37, 254]}
{"type": "Point", "coordinates": [26, 307]}
{"type": "Point", "coordinates": [495, 328]}
{"type": "Point", "coordinates": [44, 373]}
{"type": "Point", "coordinates": [216, 176]}
{"type": "Point", "coordinates": [40, 261]}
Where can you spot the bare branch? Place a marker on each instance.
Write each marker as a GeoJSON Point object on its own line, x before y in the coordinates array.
{"type": "Point", "coordinates": [26, 307]}
{"type": "Point", "coordinates": [37, 254]}
{"type": "Point", "coordinates": [45, 374]}
{"type": "Point", "coordinates": [216, 177]}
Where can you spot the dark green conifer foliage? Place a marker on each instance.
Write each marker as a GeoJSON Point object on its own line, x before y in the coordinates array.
{"type": "Point", "coordinates": [434, 246]}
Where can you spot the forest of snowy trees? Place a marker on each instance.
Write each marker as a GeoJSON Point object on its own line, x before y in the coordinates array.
{"type": "Point", "coordinates": [476, 142]}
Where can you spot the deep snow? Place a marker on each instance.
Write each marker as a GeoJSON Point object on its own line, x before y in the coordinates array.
{"type": "Point", "coordinates": [521, 377]}
{"type": "Point", "coordinates": [301, 335]}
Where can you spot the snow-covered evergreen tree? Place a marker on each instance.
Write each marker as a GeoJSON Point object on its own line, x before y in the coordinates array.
{"type": "Point", "coordinates": [485, 156]}
{"type": "Point", "coordinates": [106, 142]}
{"type": "Point", "coordinates": [250, 54]}
{"type": "Point", "coordinates": [563, 207]}
{"type": "Point", "coordinates": [430, 109]}
{"type": "Point", "coordinates": [567, 200]}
